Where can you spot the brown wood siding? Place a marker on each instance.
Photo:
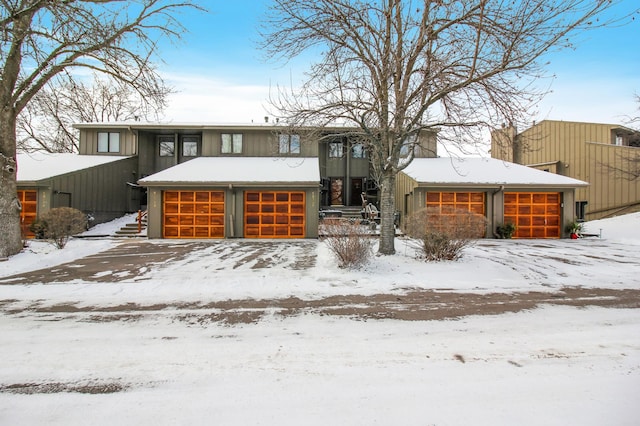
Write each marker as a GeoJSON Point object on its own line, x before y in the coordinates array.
{"type": "Point", "coordinates": [193, 214]}
{"type": "Point", "coordinates": [29, 212]}
{"type": "Point", "coordinates": [535, 214]}
{"type": "Point", "coordinates": [274, 214]}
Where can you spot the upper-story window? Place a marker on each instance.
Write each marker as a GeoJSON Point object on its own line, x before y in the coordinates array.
{"type": "Point", "coordinates": [167, 146]}
{"type": "Point", "coordinates": [190, 146]}
{"type": "Point", "coordinates": [408, 146]}
{"type": "Point", "coordinates": [358, 151]}
{"type": "Point", "coordinates": [231, 143]}
{"type": "Point", "coordinates": [108, 142]}
{"type": "Point", "coordinates": [336, 149]}
{"type": "Point", "coordinates": [289, 144]}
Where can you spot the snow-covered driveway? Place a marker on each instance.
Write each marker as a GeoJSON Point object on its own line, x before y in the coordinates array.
{"type": "Point", "coordinates": [237, 332]}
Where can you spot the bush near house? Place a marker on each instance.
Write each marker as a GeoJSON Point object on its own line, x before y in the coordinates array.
{"type": "Point", "coordinates": [506, 231]}
{"type": "Point", "coordinates": [59, 224]}
{"type": "Point", "coordinates": [442, 232]}
{"type": "Point", "coordinates": [348, 241]}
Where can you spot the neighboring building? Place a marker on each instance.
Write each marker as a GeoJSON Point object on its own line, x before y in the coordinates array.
{"type": "Point", "coordinates": [267, 181]}
{"type": "Point", "coordinates": [501, 192]}
{"type": "Point", "coordinates": [101, 186]}
{"type": "Point", "coordinates": [605, 155]}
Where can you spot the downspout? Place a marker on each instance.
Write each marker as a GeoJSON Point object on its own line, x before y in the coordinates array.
{"type": "Point", "coordinates": [493, 213]}
{"type": "Point", "coordinates": [134, 151]}
{"type": "Point", "coordinates": [233, 211]}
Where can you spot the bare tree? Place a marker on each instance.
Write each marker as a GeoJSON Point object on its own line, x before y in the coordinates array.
{"type": "Point", "coordinates": [46, 123]}
{"type": "Point", "coordinates": [394, 69]}
{"type": "Point", "coordinates": [41, 39]}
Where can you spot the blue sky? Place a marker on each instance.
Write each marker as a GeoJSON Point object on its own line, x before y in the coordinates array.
{"type": "Point", "coordinates": [221, 76]}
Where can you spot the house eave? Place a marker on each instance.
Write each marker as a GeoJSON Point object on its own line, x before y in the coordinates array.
{"type": "Point", "coordinates": [191, 184]}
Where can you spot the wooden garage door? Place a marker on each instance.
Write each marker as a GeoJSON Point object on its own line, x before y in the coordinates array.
{"type": "Point", "coordinates": [450, 204]}
{"type": "Point", "coordinates": [450, 201]}
{"type": "Point", "coordinates": [535, 214]}
{"type": "Point", "coordinates": [29, 200]}
{"type": "Point", "coordinates": [193, 214]}
{"type": "Point", "coordinates": [270, 214]}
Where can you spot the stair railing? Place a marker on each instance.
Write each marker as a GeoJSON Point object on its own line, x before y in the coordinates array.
{"type": "Point", "coordinates": [141, 215]}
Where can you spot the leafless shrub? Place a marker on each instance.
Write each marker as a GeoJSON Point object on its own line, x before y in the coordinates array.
{"type": "Point", "coordinates": [348, 241]}
{"type": "Point", "coordinates": [60, 223]}
{"type": "Point", "coordinates": [441, 232]}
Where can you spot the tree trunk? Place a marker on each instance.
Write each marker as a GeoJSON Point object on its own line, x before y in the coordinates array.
{"type": "Point", "coordinates": [387, 213]}
{"type": "Point", "coordinates": [10, 235]}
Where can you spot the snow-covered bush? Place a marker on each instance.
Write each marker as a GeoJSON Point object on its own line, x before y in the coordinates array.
{"type": "Point", "coordinates": [348, 240]}
{"type": "Point", "coordinates": [441, 233]}
{"type": "Point", "coordinates": [59, 224]}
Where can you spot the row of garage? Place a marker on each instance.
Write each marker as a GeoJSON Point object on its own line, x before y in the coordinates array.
{"type": "Point", "coordinates": [282, 214]}
{"type": "Point", "coordinates": [201, 214]}
{"type": "Point", "coordinates": [215, 197]}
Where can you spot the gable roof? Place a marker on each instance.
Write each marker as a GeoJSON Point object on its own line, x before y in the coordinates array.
{"type": "Point", "coordinates": [230, 170]}
{"type": "Point", "coordinates": [37, 166]}
{"type": "Point", "coordinates": [483, 171]}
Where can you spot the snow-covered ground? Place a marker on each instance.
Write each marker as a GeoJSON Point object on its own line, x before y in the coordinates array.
{"type": "Point", "coordinates": [554, 365]}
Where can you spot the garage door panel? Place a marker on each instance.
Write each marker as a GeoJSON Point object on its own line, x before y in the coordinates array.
{"type": "Point", "coordinates": [274, 214]}
{"type": "Point", "coordinates": [535, 214]}
{"type": "Point", "coordinates": [450, 203]}
{"type": "Point", "coordinates": [28, 214]}
{"type": "Point", "coordinates": [193, 214]}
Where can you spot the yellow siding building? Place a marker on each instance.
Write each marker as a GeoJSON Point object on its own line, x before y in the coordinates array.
{"type": "Point", "coordinates": [607, 156]}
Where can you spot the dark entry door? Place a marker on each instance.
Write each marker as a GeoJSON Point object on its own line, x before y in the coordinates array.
{"type": "Point", "coordinates": [357, 187]}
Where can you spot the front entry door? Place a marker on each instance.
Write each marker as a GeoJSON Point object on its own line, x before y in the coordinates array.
{"type": "Point", "coordinates": [357, 185]}
{"type": "Point", "coordinates": [337, 198]}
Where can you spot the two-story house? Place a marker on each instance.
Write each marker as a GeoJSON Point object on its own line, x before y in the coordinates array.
{"type": "Point", "coordinates": [269, 181]}
{"type": "Point", "coordinates": [605, 155]}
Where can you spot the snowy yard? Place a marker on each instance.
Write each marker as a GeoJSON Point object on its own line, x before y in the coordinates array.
{"type": "Point", "coordinates": [156, 345]}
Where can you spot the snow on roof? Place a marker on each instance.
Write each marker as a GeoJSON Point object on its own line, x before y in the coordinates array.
{"type": "Point", "coordinates": [157, 125]}
{"type": "Point", "coordinates": [482, 171]}
{"type": "Point", "coordinates": [240, 169]}
{"type": "Point", "coordinates": [43, 165]}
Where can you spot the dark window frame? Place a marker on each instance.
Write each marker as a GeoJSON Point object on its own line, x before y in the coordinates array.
{"type": "Point", "coordinates": [112, 142]}
{"type": "Point", "coordinates": [191, 140]}
{"type": "Point", "coordinates": [166, 146]}
{"type": "Point", "coordinates": [232, 148]}
{"type": "Point", "coordinates": [289, 144]}
{"type": "Point", "coordinates": [358, 147]}
{"type": "Point", "coordinates": [336, 149]}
